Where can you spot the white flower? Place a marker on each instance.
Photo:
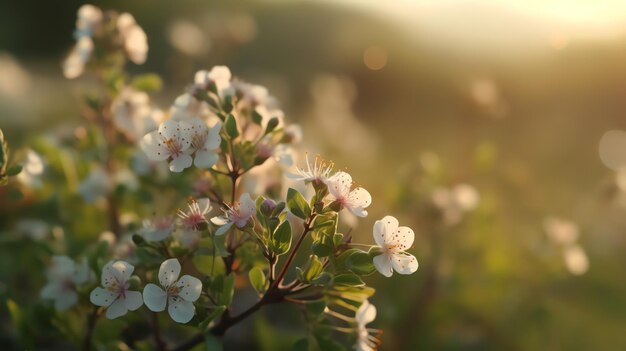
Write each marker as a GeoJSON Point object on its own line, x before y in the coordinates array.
{"type": "Point", "coordinates": [32, 169]}
{"type": "Point", "coordinates": [157, 229]}
{"type": "Point", "coordinates": [132, 114]}
{"type": "Point", "coordinates": [394, 240]}
{"type": "Point", "coordinates": [355, 200]}
{"type": "Point", "coordinates": [196, 215]}
{"type": "Point", "coordinates": [318, 171]}
{"type": "Point", "coordinates": [36, 229]}
{"type": "Point", "coordinates": [218, 75]}
{"type": "Point", "coordinates": [95, 186]}
{"type": "Point", "coordinates": [115, 294]}
{"type": "Point", "coordinates": [178, 294]}
{"type": "Point", "coordinates": [171, 140]}
{"type": "Point", "coordinates": [576, 259]}
{"type": "Point", "coordinates": [187, 107]}
{"type": "Point", "coordinates": [74, 64]}
{"type": "Point", "coordinates": [456, 201]}
{"type": "Point", "coordinates": [63, 277]}
{"type": "Point", "coordinates": [561, 231]}
{"type": "Point", "coordinates": [238, 215]}
{"type": "Point", "coordinates": [135, 39]}
{"type": "Point", "coordinates": [89, 19]}
{"type": "Point", "coordinates": [364, 315]}
{"type": "Point", "coordinates": [204, 142]}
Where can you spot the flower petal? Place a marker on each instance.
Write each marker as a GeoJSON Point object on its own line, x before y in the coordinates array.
{"type": "Point", "coordinates": [205, 159]}
{"type": "Point", "coordinates": [213, 139]}
{"type": "Point", "coordinates": [102, 297]}
{"type": "Point", "coordinates": [154, 297]}
{"type": "Point", "coordinates": [65, 300]}
{"type": "Point", "coordinates": [180, 162]}
{"type": "Point", "coordinates": [366, 313]}
{"type": "Point", "coordinates": [247, 206]}
{"type": "Point", "coordinates": [339, 184]}
{"type": "Point", "coordinates": [223, 229]}
{"type": "Point", "coordinates": [220, 220]}
{"type": "Point", "coordinates": [404, 263]}
{"type": "Point", "coordinates": [359, 197]}
{"type": "Point", "coordinates": [383, 230]}
{"type": "Point", "coordinates": [190, 288]}
{"type": "Point", "coordinates": [403, 237]}
{"type": "Point", "coordinates": [180, 310]}
{"type": "Point", "coordinates": [133, 300]}
{"type": "Point", "coordinates": [154, 147]}
{"type": "Point", "coordinates": [169, 272]}
{"type": "Point", "coordinates": [383, 265]}
{"type": "Point", "coordinates": [117, 309]}
{"type": "Point", "coordinates": [115, 273]}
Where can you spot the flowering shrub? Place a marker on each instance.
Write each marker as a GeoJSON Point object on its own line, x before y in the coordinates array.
{"type": "Point", "coordinates": [211, 153]}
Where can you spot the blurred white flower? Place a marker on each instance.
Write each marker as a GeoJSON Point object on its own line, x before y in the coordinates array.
{"type": "Point", "coordinates": [455, 202]}
{"type": "Point", "coordinates": [187, 107]}
{"type": "Point", "coordinates": [63, 277]}
{"type": "Point", "coordinates": [171, 140]}
{"type": "Point", "coordinates": [14, 79]}
{"type": "Point", "coordinates": [74, 64]}
{"type": "Point", "coordinates": [561, 231]}
{"type": "Point", "coordinates": [158, 228]}
{"type": "Point", "coordinates": [188, 38]}
{"type": "Point", "coordinates": [115, 294]}
{"type": "Point", "coordinates": [365, 315]}
{"type": "Point", "coordinates": [196, 215]}
{"type": "Point", "coordinates": [576, 259]}
{"type": "Point", "coordinates": [394, 240]}
{"type": "Point", "coordinates": [355, 201]}
{"type": "Point", "coordinates": [238, 214]}
{"type": "Point", "coordinates": [97, 185]}
{"type": "Point", "coordinates": [135, 39]}
{"type": "Point", "coordinates": [35, 229]}
{"type": "Point", "coordinates": [178, 294]}
{"type": "Point", "coordinates": [220, 76]}
{"type": "Point", "coordinates": [88, 21]}
{"type": "Point", "coordinates": [133, 115]}
{"type": "Point", "coordinates": [32, 169]}
{"type": "Point", "coordinates": [204, 143]}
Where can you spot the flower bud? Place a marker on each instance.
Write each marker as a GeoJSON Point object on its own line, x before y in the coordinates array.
{"type": "Point", "coordinates": [271, 125]}
{"type": "Point", "coordinates": [267, 207]}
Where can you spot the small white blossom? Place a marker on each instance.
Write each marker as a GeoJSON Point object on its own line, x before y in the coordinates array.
{"type": "Point", "coordinates": [74, 64]}
{"type": "Point", "coordinates": [32, 169]}
{"type": "Point", "coordinates": [114, 293]}
{"type": "Point", "coordinates": [63, 276]}
{"type": "Point", "coordinates": [355, 201]}
{"type": "Point", "coordinates": [238, 215]}
{"type": "Point", "coordinates": [365, 315]}
{"type": "Point", "coordinates": [177, 294]}
{"type": "Point", "coordinates": [576, 260]}
{"type": "Point", "coordinates": [455, 202]}
{"type": "Point", "coordinates": [186, 107]}
{"type": "Point", "coordinates": [97, 185]}
{"type": "Point", "coordinates": [561, 231]}
{"type": "Point", "coordinates": [196, 215]}
{"type": "Point", "coordinates": [133, 115]}
{"type": "Point", "coordinates": [218, 75]}
{"type": "Point", "coordinates": [171, 140]}
{"type": "Point", "coordinates": [394, 240]}
{"type": "Point", "coordinates": [135, 39]}
{"type": "Point", "coordinates": [318, 171]}
{"type": "Point", "coordinates": [158, 228]}
{"type": "Point", "coordinates": [204, 143]}
{"type": "Point", "coordinates": [88, 21]}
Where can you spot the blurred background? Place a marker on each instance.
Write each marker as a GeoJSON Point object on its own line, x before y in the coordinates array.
{"type": "Point", "coordinates": [495, 129]}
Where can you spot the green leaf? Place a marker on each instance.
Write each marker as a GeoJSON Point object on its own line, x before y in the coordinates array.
{"type": "Point", "coordinates": [312, 269]}
{"type": "Point", "coordinates": [323, 246]}
{"type": "Point", "coordinates": [209, 265]}
{"type": "Point", "coordinates": [214, 314]}
{"type": "Point", "coordinates": [271, 125]}
{"type": "Point", "coordinates": [14, 170]}
{"type": "Point", "coordinates": [228, 290]}
{"type": "Point", "coordinates": [147, 82]}
{"type": "Point", "coordinates": [315, 307]}
{"type": "Point", "coordinates": [297, 204]}
{"type": "Point", "coordinates": [256, 117]}
{"type": "Point", "coordinates": [257, 279]}
{"type": "Point", "coordinates": [281, 240]}
{"type": "Point", "coordinates": [213, 343]}
{"type": "Point", "coordinates": [301, 345]}
{"type": "Point", "coordinates": [231, 127]}
{"type": "Point", "coordinates": [349, 279]}
{"type": "Point", "coordinates": [361, 263]}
